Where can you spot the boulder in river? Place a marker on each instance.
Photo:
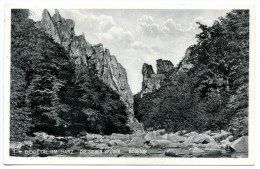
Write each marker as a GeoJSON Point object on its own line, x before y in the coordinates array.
{"type": "Point", "coordinates": [181, 133]}
{"type": "Point", "coordinates": [48, 143]}
{"type": "Point", "coordinates": [136, 142]}
{"type": "Point", "coordinates": [43, 135]}
{"type": "Point", "coordinates": [193, 133]}
{"type": "Point", "coordinates": [28, 143]}
{"type": "Point", "coordinates": [204, 139]}
{"type": "Point", "coordinates": [240, 145]}
{"type": "Point", "coordinates": [119, 143]}
{"type": "Point", "coordinates": [93, 136]}
{"type": "Point", "coordinates": [102, 146]}
{"type": "Point", "coordinates": [58, 144]}
{"type": "Point", "coordinates": [221, 136]}
{"type": "Point", "coordinates": [199, 139]}
{"type": "Point", "coordinates": [176, 152]}
{"type": "Point", "coordinates": [76, 142]}
{"type": "Point", "coordinates": [197, 151]}
{"type": "Point", "coordinates": [159, 143]}
{"type": "Point", "coordinates": [122, 137]}
{"type": "Point", "coordinates": [90, 145]}
{"type": "Point", "coordinates": [154, 135]}
{"type": "Point", "coordinates": [51, 137]}
{"type": "Point", "coordinates": [176, 139]}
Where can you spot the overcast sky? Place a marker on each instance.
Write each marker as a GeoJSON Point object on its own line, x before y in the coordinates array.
{"type": "Point", "coordinates": [139, 36]}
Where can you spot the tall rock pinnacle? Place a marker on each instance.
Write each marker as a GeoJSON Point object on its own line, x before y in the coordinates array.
{"type": "Point", "coordinates": [152, 81]}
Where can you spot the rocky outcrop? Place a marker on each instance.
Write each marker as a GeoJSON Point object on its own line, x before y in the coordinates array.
{"type": "Point", "coordinates": [185, 65]}
{"type": "Point", "coordinates": [164, 66]}
{"type": "Point", "coordinates": [82, 52]}
{"type": "Point", "coordinates": [151, 80]}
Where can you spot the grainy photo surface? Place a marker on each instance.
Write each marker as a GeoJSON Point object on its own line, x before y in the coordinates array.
{"type": "Point", "coordinates": [129, 83]}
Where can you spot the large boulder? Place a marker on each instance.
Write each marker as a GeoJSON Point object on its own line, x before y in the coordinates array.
{"type": "Point", "coordinates": [78, 142]}
{"type": "Point", "coordinates": [58, 144]}
{"type": "Point", "coordinates": [93, 136]}
{"type": "Point", "coordinates": [197, 151]}
{"type": "Point", "coordinates": [240, 145]}
{"type": "Point", "coordinates": [204, 139]}
{"type": "Point", "coordinates": [176, 139]}
{"type": "Point", "coordinates": [28, 143]}
{"type": "Point", "coordinates": [139, 133]}
{"type": "Point", "coordinates": [199, 139]}
{"type": "Point", "coordinates": [193, 133]}
{"type": "Point", "coordinates": [151, 136]}
{"type": "Point", "coordinates": [90, 145]}
{"type": "Point", "coordinates": [161, 131]}
{"type": "Point", "coordinates": [221, 136]}
{"type": "Point", "coordinates": [136, 142]}
{"type": "Point", "coordinates": [159, 143]}
{"type": "Point", "coordinates": [230, 138]}
{"type": "Point", "coordinates": [154, 135]}
{"type": "Point", "coordinates": [176, 152]}
{"type": "Point", "coordinates": [48, 143]}
{"type": "Point", "coordinates": [225, 144]}
{"type": "Point", "coordinates": [102, 146]}
{"type": "Point", "coordinates": [51, 137]}
{"type": "Point", "coordinates": [181, 132]}
{"type": "Point", "coordinates": [41, 136]}
{"type": "Point", "coordinates": [119, 143]}
{"type": "Point", "coordinates": [122, 137]}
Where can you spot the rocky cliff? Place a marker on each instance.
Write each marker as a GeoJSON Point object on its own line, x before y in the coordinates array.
{"type": "Point", "coordinates": [82, 52]}
{"type": "Point", "coordinates": [151, 80]}
{"type": "Point", "coordinates": [163, 66]}
{"type": "Point", "coordinates": [184, 63]}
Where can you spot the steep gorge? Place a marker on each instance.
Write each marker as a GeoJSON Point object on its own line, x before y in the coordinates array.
{"type": "Point", "coordinates": [82, 52]}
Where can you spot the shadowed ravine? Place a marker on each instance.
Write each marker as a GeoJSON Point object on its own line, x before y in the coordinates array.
{"type": "Point", "coordinates": [64, 89]}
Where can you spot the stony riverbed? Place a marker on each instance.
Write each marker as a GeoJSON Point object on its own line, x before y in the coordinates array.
{"type": "Point", "coordinates": [140, 144]}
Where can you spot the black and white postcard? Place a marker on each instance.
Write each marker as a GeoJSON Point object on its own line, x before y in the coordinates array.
{"type": "Point", "coordinates": [167, 84]}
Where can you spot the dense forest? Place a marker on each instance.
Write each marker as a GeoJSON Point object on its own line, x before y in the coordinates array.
{"type": "Point", "coordinates": [50, 93]}
{"type": "Point", "coordinates": [213, 94]}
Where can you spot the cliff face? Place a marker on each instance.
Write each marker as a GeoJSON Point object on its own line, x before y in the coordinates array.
{"type": "Point", "coordinates": [151, 80]}
{"type": "Point", "coordinates": [82, 52]}
{"type": "Point", "coordinates": [184, 64]}
{"type": "Point", "coordinates": [163, 66]}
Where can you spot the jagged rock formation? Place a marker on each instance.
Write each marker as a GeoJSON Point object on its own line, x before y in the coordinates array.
{"type": "Point", "coordinates": [163, 66]}
{"type": "Point", "coordinates": [151, 80]}
{"type": "Point", "coordinates": [184, 64]}
{"type": "Point", "coordinates": [109, 70]}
